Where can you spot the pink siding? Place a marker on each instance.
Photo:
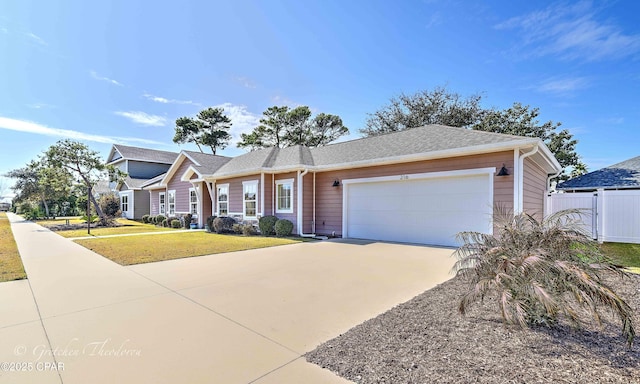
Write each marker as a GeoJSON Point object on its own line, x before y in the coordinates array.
{"type": "Point", "coordinates": [205, 204]}
{"type": "Point", "coordinates": [534, 188]}
{"type": "Point", "coordinates": [269, 209]}
{"type": "Point", "coordinates": [307, 203]}
{"type": "Point", "coordinates": [181, 188]}
{"type": "Point", "coordinates": [329, 198]}
{"type": "Point", "coordinates": [293, 217]}
{"type": "Point", "coordinates": [236, 192]}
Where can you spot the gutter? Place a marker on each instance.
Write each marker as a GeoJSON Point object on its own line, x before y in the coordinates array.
{"type": "Point", "coordinates": [518, 207]}
{"type": "Point", "coordinates": [299, 205]}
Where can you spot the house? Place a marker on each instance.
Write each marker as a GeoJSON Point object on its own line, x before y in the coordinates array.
{"type": "Point", "coordinates": [4, 207]}
{"type": "Point", "coordinates": [421, 185]}
{"type": "Point", "coordinates": [624, 175]}
{"type": "Point", "coordinates": [608, 199]}
{"type": "Point", "coordinates": [141, 165]}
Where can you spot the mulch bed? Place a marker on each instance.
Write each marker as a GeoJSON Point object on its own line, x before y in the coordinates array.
{"type": "Point", "coordinates": [426, 340]}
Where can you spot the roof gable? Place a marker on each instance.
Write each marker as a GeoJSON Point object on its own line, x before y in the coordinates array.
{"type": "Point", "coordinates": [120, 152]}
{"type": "Point", "coordinates": [625, 174]}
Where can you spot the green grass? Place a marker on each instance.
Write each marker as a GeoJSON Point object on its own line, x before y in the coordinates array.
{"type": "Point", "coordinates": [627, 255]}
{"type": "Point", "coordinates": [150, 248]}
{"type": "Point", "coordinates": [128, 226]}
{"type": "Point", "coordinates": [11, 267]}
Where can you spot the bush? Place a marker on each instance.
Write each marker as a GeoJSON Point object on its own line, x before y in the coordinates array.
{"type": "Point", "coordinates": [223, 224]}
{"type": "Point", "coordinates": [175, 223]}
{"type": "Point", "coordinates": [237, 228]}
{"type": "Point", "coordinates": [110, 205]}
{"type": "Point", "coordinates": [283, 228]}
{"type": "Point", "coordinates": [165, 223]}
{"type": "Point", "coordinates": [187, 220]}
{"type": "Point", "coordinates": [248, 230]}
{"type": "Point", "coordinates": [267, 225]}
{"type": "Point", "coordinates": [538, 271]}
{"type": "Point", "coordinates": [145, 219]}
{"type": "Point", "coordinates": [160, 220]}
{"type": "Point", "coordinates": [210, 223]}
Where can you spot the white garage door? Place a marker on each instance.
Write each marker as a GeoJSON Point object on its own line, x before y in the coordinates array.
{"type": "Point", "coordinates": [419, 209]}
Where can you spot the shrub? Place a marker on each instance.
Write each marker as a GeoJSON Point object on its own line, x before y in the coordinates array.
{"type": "Point", "coordinates": [165, 223]}
{"type": "Point", "coordinates": [110, 205]}
{"type": "Point", "coordinates": [237, 228]}
{"type": "Point", "coordinates": [267, 225]}
{"type": "Point", "coordinates": [223, 224]}
{"type": "Point", "coordinates": [175, 223]}
{"type": "Point", "coordinates": [248, 230]}
{"type": "Point", "coordinates": [187, 220]}
{"type": "Point", "coordinates": [145, 219]}
{"type": "Point", "coordinates": [160, 220]}
{"type": "Point", "coordinates": [540, 271]}
{"type": "Point", "coordinates": [210, 223]}
{"type": "Point", "coordinates": [283, 227]}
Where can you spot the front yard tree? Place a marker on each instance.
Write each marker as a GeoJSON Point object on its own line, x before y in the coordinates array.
{"type": "Point", "coordinates": [210, 128]}
{"type": "Point", "coordinates": [84, 164]}
{"type": "Point", "coordinates": [38, 180]}
{"type": "Point", "coordinates": [285, 127]}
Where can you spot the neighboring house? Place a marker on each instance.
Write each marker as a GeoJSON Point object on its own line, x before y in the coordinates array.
{"type": "Point", "coordinates": [608, 199]}
{"type": "Point", "coordinates": [141, 165]}
{"type": "Point", "coordinates": [4, 207]}
{"type": "Point", "coordinates": [422, 185]}
{"type": "Point", "coordinates": [624, 175]}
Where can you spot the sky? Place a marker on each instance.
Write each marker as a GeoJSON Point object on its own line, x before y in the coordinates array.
{"type": "Point", "coordinates": [123, 71]}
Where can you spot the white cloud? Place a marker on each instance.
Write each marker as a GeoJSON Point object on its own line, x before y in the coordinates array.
{"type": "Point", "coordinates": [243, 121]}
{"type": "Point", "coordinates": [40, 106]}
{"type": "Point", "coordinates": [163, 100]}
{"type": "Point", "coordinates": [36, 38]}
{"type": "Point", "coordinates": [245, 82]}
{"type": "Point", "coordinates": [280, 100]}
{"type": "Point", "coordinates": [144, 118]}
{"type": "Point", "coordinates": [562, 86]}
{"type": "Point", "coordinates": [102, 78]}
{"type": "Point", "coordinates": [571, 31]}
{"type": "Point", "coordinates": [39, 129]}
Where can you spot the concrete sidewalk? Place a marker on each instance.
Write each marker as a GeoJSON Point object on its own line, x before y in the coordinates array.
{"type": "Point", "coordinates": [242, 317]}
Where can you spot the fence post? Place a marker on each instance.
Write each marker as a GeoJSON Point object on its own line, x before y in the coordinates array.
{"type": "Point", "coordinates": [599, 212]}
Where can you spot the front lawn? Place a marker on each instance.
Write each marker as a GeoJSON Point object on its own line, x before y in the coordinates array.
{"type": "Point", "coordinates": [126, 226]}
{"type": "Point", "coordinates": [627, 255]}
{"type": "Point", "coordinates": [11, 267]}
{"type": "Point", "coordinates": [149, 248]}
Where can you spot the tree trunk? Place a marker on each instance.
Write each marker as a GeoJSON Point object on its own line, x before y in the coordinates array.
{"type": "Point", "coordinates": [97, 207]}
{"type": "Point", "coordinates": [46, 206]}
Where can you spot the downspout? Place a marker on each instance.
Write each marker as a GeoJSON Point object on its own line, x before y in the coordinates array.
{"type": "Point", "coordinates": [300, 205]}
{"type": "Point", "coordinates": [313, 223]}
{"type": "Point", "coordinates": [520, 207]}
{"type": "Point", "coordinates": [273, 194]}
{"type": "Point", "coordinates": [261, 194]}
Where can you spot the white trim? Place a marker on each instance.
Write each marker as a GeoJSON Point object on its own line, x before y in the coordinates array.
{"type": "Point", "coordinates": [218, 186]}
{"type": "Point", "coordinates": [129, 213]}
{"type": "Point", "coordinates": [299, 207]}
{"type": "Point", "coordinates": [244, 202]}
{"type": "Point", "coordinates": [190, 171]}
{"type": "Point", "coordinates": [174, 167]}
{"type": "Point", "coordinates": [283, 182]}
{"type": "Point", "coordinates": [262, 194]}
{"type": "Point", "coordinates": [416, 176]}
{"type": "Point", "coordinates": [519, 208]}
{"type": "Point", "coordinates": [197, 214]}
{"type": "Point", "coordinates": [516, 176]}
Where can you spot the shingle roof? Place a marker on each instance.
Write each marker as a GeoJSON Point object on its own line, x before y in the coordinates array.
{"type": "Point", "coordinates": [155, 180]}
{"type": "Point", "coordinates": [146, 154]}
{"type": "Point", "coordinates": [134, 183]}
{"type": "Point", "coordinates": [208, 163]}
{"type": "Point", "coordinates": [625, 174]}
{"type": "Point", "coordinates": [430, 138]}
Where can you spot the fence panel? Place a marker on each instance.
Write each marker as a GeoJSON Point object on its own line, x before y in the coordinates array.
{"type": "Point", "coordinates": [584, 201]}
{"type": "Point", "coordinates": [620, 216]}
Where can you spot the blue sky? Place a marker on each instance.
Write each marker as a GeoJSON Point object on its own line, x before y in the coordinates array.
{"type": "Point", "coordinates": [123, 71]}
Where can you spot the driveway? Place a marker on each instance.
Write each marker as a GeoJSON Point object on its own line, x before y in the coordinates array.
{"type": "Point", "coordinates": [243, 317]}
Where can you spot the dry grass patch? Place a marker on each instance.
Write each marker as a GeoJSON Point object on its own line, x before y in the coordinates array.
{"type": "Point", "coordinates": [150, 248]}
{"type": "Point", "coordinates": [125, 226]}
{"type": "Point", "coordinates": [11, 267]}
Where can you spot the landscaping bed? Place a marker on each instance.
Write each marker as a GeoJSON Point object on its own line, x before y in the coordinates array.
{"type": "Point", "coordinates": [426, 340]}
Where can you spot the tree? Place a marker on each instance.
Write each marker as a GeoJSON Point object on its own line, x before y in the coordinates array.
{"type": "Point", "coordinates": [540, 271]}
{"type": "Point", "coordinates": [444, 107]}
{"type": "Point", "coordinates": [85, 165]}
{"type": "Point", "coordinates": [521, 120]}
{"type": "Point", "coordinates": [439, 106]}
{"type": "Point", "coordinates": [39, 180]}
{"type": "Point", "coordinates": [210, 128]}
{"type": "Point", "coordinates": [578, 170]}
{"type": "Point", "coordinates": [284, 127]}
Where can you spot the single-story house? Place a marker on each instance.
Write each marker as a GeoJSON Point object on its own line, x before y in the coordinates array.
{"type": "Point", "coordinates": [421, 185]}
{"type": "Point", "coordinates": [141, 165]}
{"type": "Point", "coordinates": [623, 175]}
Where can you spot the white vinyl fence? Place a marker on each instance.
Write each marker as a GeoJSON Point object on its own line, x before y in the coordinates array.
{"type": "Point", "coordinates": [610, 216]}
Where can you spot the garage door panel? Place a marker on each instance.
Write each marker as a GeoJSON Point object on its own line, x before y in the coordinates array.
{"type": "Point", "coordinates": [430, 211]}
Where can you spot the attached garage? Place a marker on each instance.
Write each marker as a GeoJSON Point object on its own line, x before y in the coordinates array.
{"type": "Point", "coordinates": [427, 208]}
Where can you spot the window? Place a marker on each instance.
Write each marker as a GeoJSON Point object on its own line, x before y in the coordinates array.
{"type": "Point", "coordinates": [162, 205]}
{"type": "Point", "coordinates": [284, 196]}
{"type": "Point", "coordinates": [124, 203]}
{"type": "Point", "coordinates": [172, 203]}
{"type": "Point", "coordinates": [193, 202]}
{"type": "Point", "coordinates": [250, 189]}
{"type": "Point", "coordinates": [223, 199]}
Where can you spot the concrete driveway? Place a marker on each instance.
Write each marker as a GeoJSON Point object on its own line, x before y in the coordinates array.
{"type": "Point", "coordinates": [243, 317]}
